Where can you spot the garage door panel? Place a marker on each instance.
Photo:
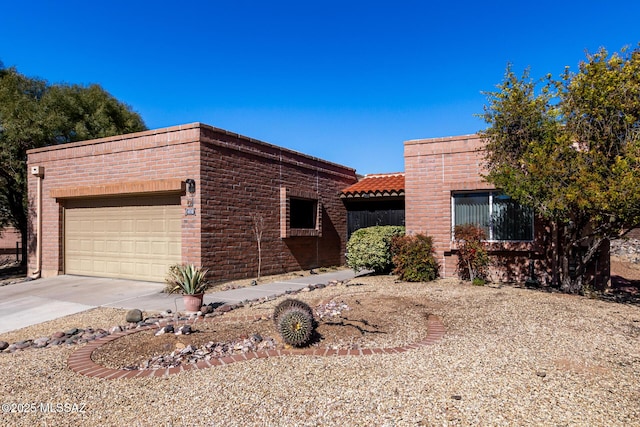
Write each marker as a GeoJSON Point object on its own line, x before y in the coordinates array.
{"type": "Point", "coordinates": [137, 239]}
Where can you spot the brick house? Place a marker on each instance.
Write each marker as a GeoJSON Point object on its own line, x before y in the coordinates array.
{"type": "Point", "coordinates": [129, 206]}
{"type": "Point", "coordinates": [444, 188]}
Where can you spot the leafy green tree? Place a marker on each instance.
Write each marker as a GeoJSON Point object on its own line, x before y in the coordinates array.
{"type": "Point", "coordinates": [570, 148]}
{"type": "Point", "coordinates": [35, 114]}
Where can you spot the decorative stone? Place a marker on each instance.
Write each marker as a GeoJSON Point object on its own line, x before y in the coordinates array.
{"type": "Point", "coordinates": [184, 330]}
{"type": "Point", "coordinates": [115, 329]}
{"type": "Point", "coordinates": [3, 345]}
{"type": "Point", "coordinates": [23, 344]}
{"type": "Point", "coordinates": [41, 342]}
{"type": "Point", "coordinates": [164, 330]}
{"type": "Point", "coordinates": [58, 334]}
{"type": "Point", "coordinates": [71, 331]}
{"type": "Point", "coordinates": [224, 308]}
{"type": "Point", "coordinates": [133, 316]}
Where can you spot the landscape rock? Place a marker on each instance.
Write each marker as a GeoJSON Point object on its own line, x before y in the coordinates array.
{"type": "Point", "coordinates": [41, 342]}
{"type": "Point", "coordinates": [3, 345]}
{"type": "Point", "coordinates": [133, 316]}
{"type": "Point", "coordinates": [22, 344]}
{"type": "Point", "coordinates": [184, 330]}
{"type": "Point", "coordinates": [224, 308]}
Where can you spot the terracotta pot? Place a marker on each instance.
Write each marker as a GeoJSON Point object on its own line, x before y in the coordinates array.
{"type": "Point", "coordinates": [192, 302]}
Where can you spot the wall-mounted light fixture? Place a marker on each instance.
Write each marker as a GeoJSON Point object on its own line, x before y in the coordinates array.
{"type": "Point", "coordinates": [191, 186]}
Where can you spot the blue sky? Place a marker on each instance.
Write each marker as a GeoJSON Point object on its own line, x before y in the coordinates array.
{"type": "Point", "coordinates": [346, 81]}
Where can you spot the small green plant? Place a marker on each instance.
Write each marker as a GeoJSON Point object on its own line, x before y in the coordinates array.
{"type": "Point", "coordinates": [370, 248]}
{"type": "Point", "coordinates": [473, 258]}
{"type": "Point", "coordinates": [296, 326]}
{"type": "Point", "coordinates": [186, 279]}
{"type": "Point", "coordinates": [288, 303]}
{"type": "Point", "coordinates": [478, 281]}
{"type": "Point", "coordinates": [413, 258]}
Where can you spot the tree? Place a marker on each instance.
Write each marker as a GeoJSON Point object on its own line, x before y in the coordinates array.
{"type": "Point", "coordinates": [570, 149]}
{"type": "Point", "coordinates": [257, 220]}
{"type": "Point", "coordinates": [35, 114]}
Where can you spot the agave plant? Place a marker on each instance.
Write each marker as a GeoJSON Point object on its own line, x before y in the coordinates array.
{"type": "Point", "coordinates": [186, 279]}
{"type": "Point", "coordinates": [296, 326]}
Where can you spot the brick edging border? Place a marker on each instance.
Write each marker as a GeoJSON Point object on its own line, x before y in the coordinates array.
{"type": "Point", "coordinates": [80, 361]}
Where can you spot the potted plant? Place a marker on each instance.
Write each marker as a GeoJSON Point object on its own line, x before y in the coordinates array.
{"type": "Point", "coordinates": [188, 280]}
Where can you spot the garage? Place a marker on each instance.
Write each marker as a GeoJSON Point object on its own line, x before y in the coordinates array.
{"type": "Point", "coordinates": [122, 237]}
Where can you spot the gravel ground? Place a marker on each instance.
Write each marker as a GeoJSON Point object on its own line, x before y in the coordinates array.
{"type": "Point", "coordinates": [510, 357]}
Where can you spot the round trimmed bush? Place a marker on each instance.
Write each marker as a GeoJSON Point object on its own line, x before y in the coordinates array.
{"type": "Point", "coordinates": [370, 248]}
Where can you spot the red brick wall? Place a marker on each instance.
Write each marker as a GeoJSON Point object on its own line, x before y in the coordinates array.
{"type": "Point", "coordinates": [140, 157]}
{"type": "Point", "coordinates": [9, 236]}
{"type": "Point", "coordinates": [434, 169]}
{"type": "Point", "coordinates": [242, 177]}
{"type": "Point", "coordinates": [235, 176]}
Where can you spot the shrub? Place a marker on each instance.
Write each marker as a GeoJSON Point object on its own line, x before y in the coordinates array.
{"type": "Point", "coordinates": [473, 259]}
{"type": "Point", "coordinates": [370, 248]}
{"type": "Point", "coordinates": [414, 259]}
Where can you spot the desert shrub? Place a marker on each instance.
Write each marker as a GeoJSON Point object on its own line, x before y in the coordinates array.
{"type": "Point", "coordinates": [370, 248]}
{"type": "Point", "coordinates": [473, 258]}
{"type": "Point", "coordinates": [413, 258]}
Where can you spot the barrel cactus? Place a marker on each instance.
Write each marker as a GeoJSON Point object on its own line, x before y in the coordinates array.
{"type": "Point", "coordinates": [296, 326]}
{"type": "Point", "coordinates": [284, 305]}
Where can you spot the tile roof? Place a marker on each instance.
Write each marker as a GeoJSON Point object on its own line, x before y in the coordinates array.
{"type": "Point", "coordinates": [376, 185]}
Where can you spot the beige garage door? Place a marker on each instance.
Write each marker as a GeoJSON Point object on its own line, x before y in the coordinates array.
{"type": "Point", "coordinates": [133, 237]}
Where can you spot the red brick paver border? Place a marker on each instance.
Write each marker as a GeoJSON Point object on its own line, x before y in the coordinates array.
{"type": "Point", "coordinates": [80, 361]}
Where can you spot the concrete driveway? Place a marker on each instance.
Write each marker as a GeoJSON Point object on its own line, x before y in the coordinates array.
{"type": "Point", "coordinates": [29, 303]}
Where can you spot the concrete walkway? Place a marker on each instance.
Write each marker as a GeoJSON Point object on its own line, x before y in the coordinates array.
{"type": "Point", "coordinates": [37, 301]}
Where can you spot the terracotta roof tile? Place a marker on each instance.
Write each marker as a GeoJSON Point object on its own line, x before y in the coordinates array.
{"type": "Point", "coordinates": [377, 185]}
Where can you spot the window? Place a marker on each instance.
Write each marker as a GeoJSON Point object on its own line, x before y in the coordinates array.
{"type": "Point", "coordinates": [502, 218]}
{"type": "Point", "coordinates": [300, 213]}
{"type": "Point", "coordinates": [303, 213]}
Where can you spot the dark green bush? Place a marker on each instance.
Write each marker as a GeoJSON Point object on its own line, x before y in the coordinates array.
{"type": "Point", "coordinates": [413, 258]}
{"type": "Point", "coordinates": [370, 248]}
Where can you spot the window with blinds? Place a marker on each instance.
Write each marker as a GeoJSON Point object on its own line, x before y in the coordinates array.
{"type": "Point", "coordinates": [502, 218]}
